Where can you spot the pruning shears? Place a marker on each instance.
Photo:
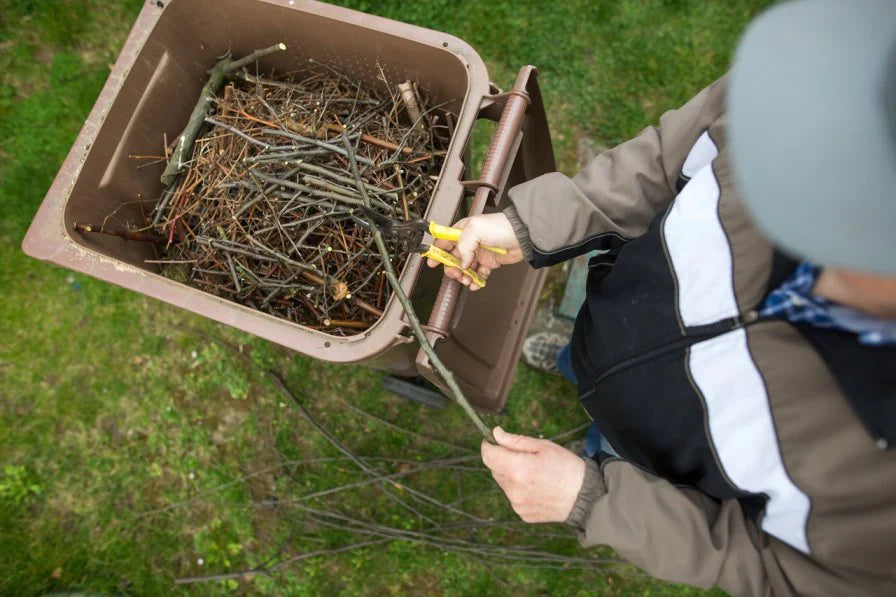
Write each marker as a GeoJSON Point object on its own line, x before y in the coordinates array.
{"type": "Point", "coordinates": [411, 235]}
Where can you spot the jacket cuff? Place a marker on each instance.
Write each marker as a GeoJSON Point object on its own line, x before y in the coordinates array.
{"type": "Point", "coordinates": [521, 231]}
{"type": "Point", "coordinates": [593, 487]}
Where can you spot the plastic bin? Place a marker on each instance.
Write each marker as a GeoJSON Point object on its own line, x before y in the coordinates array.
{"type": "Point", "coordinates": [152, 89]}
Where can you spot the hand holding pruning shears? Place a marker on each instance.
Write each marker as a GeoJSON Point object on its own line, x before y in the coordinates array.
{"type": "Point", "coordinates": [477, 245]}
{"type": "Point", "coordinates": [479, 234]}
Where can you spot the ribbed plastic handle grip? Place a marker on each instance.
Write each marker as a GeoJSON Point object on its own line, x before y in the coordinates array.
{"type": "Point", "coordinates": [503, 140]}
{"type": "Point", "coordinates": [446, 303]}
{"type": "Point", "coordinates": [495, 161]}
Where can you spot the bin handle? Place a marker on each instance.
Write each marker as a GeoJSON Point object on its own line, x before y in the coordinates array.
{"type": "Point", "coordinates": [503, 142]}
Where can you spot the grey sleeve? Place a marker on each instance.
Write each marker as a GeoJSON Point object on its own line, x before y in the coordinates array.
{"type": "Point", "coordinates": [618, 194]}
{"type": "Point", "coordinates": [681, 535]}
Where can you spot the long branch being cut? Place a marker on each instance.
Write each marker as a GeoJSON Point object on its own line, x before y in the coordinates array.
{"type": "Point", "coordinates": [420, 334]}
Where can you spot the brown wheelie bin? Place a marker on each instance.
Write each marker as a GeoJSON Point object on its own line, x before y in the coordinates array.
{"type": "Point", "coordinates": [153, 88]}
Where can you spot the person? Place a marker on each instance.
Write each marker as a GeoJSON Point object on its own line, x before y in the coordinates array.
{"type": "Point", "coordinates": [749, 392]}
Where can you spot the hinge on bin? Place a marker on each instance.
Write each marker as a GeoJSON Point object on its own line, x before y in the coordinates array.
{"type": "Point", "coordinates": [475, 184]}
{"type": "Point", "coordinates": [492, 106]}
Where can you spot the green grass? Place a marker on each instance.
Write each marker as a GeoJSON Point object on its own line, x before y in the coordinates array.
{"type": "Point", "coordinates": [112, 404]}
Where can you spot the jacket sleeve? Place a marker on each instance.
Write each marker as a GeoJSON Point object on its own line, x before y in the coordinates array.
{"type": "Point", "coordinates": [682, 535]}
{"type": "Point", "coordinates": [616, 196]}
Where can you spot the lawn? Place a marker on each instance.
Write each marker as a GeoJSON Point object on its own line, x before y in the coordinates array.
{"type": "Point", "coordinates": [140, 444]}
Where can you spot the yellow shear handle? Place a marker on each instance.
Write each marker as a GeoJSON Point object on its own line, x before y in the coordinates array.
{"type": "Point", "coordinates": [449, 233]}
{"type": "Point", "coordinates": [450, 260]}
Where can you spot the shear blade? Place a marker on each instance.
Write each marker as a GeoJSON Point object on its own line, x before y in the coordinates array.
{"type": "Point", "coordinates": [382, 222]}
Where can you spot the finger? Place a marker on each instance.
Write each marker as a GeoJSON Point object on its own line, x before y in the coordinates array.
{"type": "Point", "coordinates": [467, 245]}
{"type": "Point", "coordinates": [487, 259]}
{"type": "Point", "coordinates": [453, 272]}
{"type": "Point", "coordinates": [497, 459]}
{"type": "Point", "coordinates": [517, 443]}
{"type": "Point", "coordinates": [483, 272]}
{"type": "Point", "coordinates": [489, 456]}
{"type": "Point", "coordinates": [460, 277]}
{"type": "Point", "coordinates": [447, 245]}
{"type": "Point", "coordinates": [501, 479]}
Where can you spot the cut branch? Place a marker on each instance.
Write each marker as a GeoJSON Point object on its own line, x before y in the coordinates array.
{"type": "Point", "coordinates": [417, 328]}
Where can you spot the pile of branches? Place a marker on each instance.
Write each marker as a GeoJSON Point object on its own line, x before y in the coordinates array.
{"type": "Point", "coordinates": [263, 213]}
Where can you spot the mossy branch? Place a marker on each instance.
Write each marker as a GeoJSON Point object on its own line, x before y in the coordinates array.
{"type": "Point", "coordinates": [217, 76]}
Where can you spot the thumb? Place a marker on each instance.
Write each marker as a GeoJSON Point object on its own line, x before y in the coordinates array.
{"type": "Point", "coordinates": [517, 443]}
{"type": "Point", "coordinates": [467, 244]}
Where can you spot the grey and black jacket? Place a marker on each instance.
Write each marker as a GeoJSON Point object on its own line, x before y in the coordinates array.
{"type": "Point", "coordinates": [754, 452]}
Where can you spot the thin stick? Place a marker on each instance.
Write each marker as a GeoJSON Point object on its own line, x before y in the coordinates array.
{"type": "Point", "coordinates": [310, 141]}
{"type": "Point", "coordinates": [334, 441]}
{"type": "Point", "coordinates": [143, 237]}
{"type": "Point", "coordinates": [267, 571]}
{"type": "Point", "coordinates": [257, 54]}
{"type": "Point", "coordinates": [391, 425]}
{"type": "Point", "coordinates": [237, 132]}
{"type": "Point", "coordinates": [336, 128]}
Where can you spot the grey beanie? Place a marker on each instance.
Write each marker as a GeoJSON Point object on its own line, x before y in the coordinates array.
{"type": "Point", "coordinates": [812, 124]}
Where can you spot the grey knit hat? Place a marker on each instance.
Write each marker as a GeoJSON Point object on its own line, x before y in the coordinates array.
{"type": "Point", "coordinates": [812, 124]}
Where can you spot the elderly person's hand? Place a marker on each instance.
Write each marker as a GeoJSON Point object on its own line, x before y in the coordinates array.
{"type": "Point", "coordinates": [540, 478]}
{"type": "Point", "coordinates": [491, 230]}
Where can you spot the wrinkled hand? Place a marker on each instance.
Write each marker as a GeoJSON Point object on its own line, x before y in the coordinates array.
{"type": "Point", "coordinates": [540, 478]}
{"type": "Point", "coordinates": [489, 229]}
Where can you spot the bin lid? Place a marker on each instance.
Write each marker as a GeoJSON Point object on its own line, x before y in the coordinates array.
{"type": "Point", "coordinates": [484, 337]}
